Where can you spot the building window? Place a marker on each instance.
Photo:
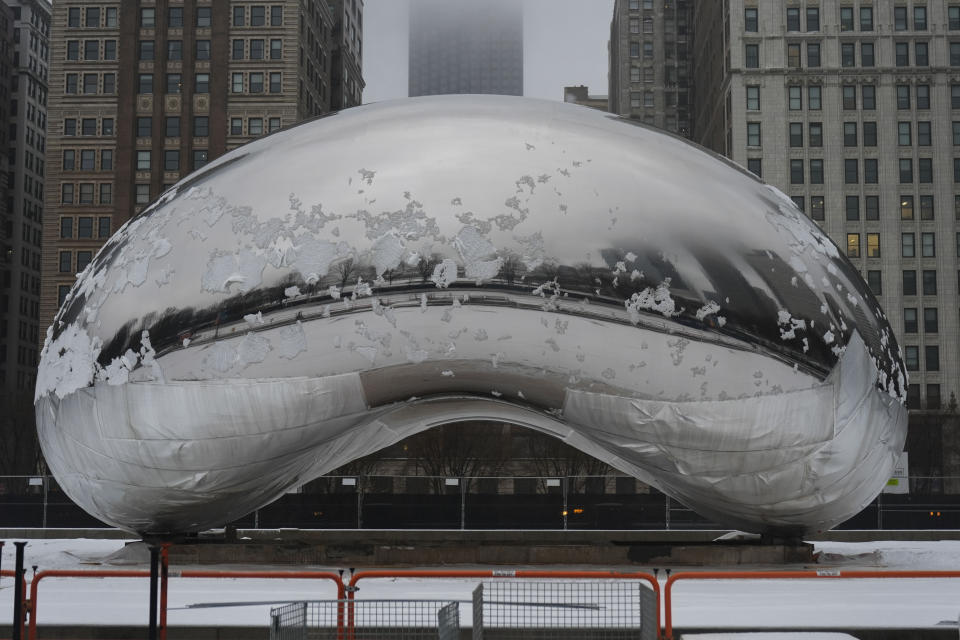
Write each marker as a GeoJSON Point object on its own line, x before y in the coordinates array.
{"type": "Point", "coordinates": [875, 281]}
{"type": "Point", "coordinates": [853, 245]}
{"type": "Point", "coordinates": [69, 160]}
{"type": "Point", "coordinates": [199, 158]}
{"type": "Point", "coordinates": [175, 17]}
{"type": "Point", "coordinates": [866, 54]}
{"type": "Point", "coordinates": [866, 19]}
{"type": "Point", "coordinates": [237, 49]}
{"type": "Point", "coordinates": [239, 18]}
{"type": "Point", "coordinates": [755, 166]}
{"type": "Point", "coordinates": [146, 50]}
{"type": "Point", "coordinates": [798, 203]}
{"type": "Point", "coordinates": [907, 245]}
{"type": "Point", "coordinates": [256, 82]}
{"type": "Point", "coordinates": [84, 227]}
{"type": "Point", "coordinates": [923, 133]}
{"type": "Point", "coordinates": [148, 18]}
{"type": "Point", "coordinates": [171, 160]}
{"type": "Point", "coordinates": [871, 205]}
{"type": "Point", "coordinates": [870, 171]}
{"type": "Point", "coordinates": [955, 54]}
{"type": "Point", "coordinates": [236, 126]}
{"type": "Point", "coordinates": [753, 98]}
{"type": "Point", "coordinates": [932, 357]}
{"type": "Point", "coordinates": [276, 83]}
{"type": "Point", "coordinates": [816, 171]}
{"type": "Point", "coordinates": [63, 291]}
{"type": "Point", "coordinates": [904, 138]}
{"type": "Point", "coordinates": [906, 170]}
{"type": "Point", "coordinates": [796, 172]}
{"type": "Point", "coordinates": [846, 18]}
{"type": "Point", "coordinates": [817, 208]}
{"type": "Point", "coordinates": [813, 98]}
{"type": "Point", "coordinates": [106, 197]}
{"type": "Point", "coordinates": [276, 16]}
{"type": "Point", "coordinates": [847, 54]}
{"type": "Point", "coordinates": [103, 226]}
{"type": "Point", "coordinates": [236, 82]}
{"type": "Point", "coordinates": [88, 126]}
{"type": "Point", "coordinates": [869, 134]}
{"type": "Point", "coordinates": [910, 322]}
{"type": "Point", "coordinates": [88, 159]}
{"type": "Point", "coordinates": [66, 261]}
{"type": "Point", "coordinates": [144, 126]}
{"type": "Point", "coordinates": [257, 16]}
{"type": "Point", "coordinates": [142, 194]}
{"type": "Point", "coordinates": [929, 280]}
{"type": "Point", "coordinates": [648, 50]}
{"type": "Point", "coordinates": [793, 55]}
{"type": "Point", "coordinates": [83, 259]}
{"type": "Point", "coordinates": [172, 129]}
{"type": "Point", "coordinates": [925, 170]}
{"type": "Point", "coordinates": [920, 18]}
{"type": "Point", "coordinates": [953, 17]}
{"type": "Point", "coordinates": [873, 245]}
{"type": "Point", "coordinates": [750, 19]}
{"type": "Point", "coordinates": [849, 134]}
{"type": "Point", "coordinates": [174, 83]}
{"type": "Point", "coordinates": [202, 82]}
{"type": "Point", "coordinates": [911, 355]}
{"type": "Point", "coordinates": [90, 83]}
{"type": "Point", "coordinates": [813, 54]}
{"type": "Point", "coordinates": [849, 96]}
{"type": "Point", "coordinates": [852, 208]}
{"type": "Point", "coordinates": [256, 49]}
{"type": "Point", "coordinates": [900, 18]}
{"type": "Point", "coordinates": [145, 83]}
{"type": "Point", "coordinates": [274, 124]}
{"type": "Point", "coordinates": [930, 322]}
{"type": "Point", "coordinates": [909, 282]}
{"type": "Point", "coordinates": [921, 56]}
{"type": "Point", "coordinates": [928, 244]}
{"type": "Point", "coordinates": [903, 96]}
{"type": "Point", "coordinates": [73, 49]}
{"type": "Point", "coordinates": [174, 49]}
{"type": "Point", "coordinates": [255, 126]}
{"type": "Point", "coordinates": [201, 126]}
{"type": "Point", "coordinates": [793, 19]}
{"type": "Point", "coordinates": [73, 17]}
{"type": "Point", "coordinates": [796, 134]}
{"type": "Point", "coordinates": [851, 171]}
{"type": "Point", "coordinates": [66, 228]}
{"type": "Point", "coordinates": [109, 83]}
{"type": "Point", "coordinates": [71, 83]}
{"type": "Point", "coordinates": [276, 53]}
{"type": "Point", "coordinates": [902, 54]}
{"type": "Point", "coordinates": [813, 19]}
{"type": "Point", "coordinates": [933, 396]}
{"type": "Point", "coordinates": [906, 207]}
{"type": "Point", "coordinates": [204, 17]}
{"type": "Point", "coordinates": [634, 49]}
{"type": "Point", "coordinates": [794, 98]}
{"type": "Point", "coordinates": [203, 49]}
{"type": "Point", "coordinates": [143, 161]}
{"type": "Point", "coordinates": [926, 207]}
{"type": "Point", "coordinates": [816, 134]}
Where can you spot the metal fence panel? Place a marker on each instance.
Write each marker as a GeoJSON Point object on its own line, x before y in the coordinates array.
{"type": "Point", "coordinates": [448, 622]}
{"type": "Point", "coordinates": [289, 622]}
{"type": "Point", "coordinates": [366, 620]}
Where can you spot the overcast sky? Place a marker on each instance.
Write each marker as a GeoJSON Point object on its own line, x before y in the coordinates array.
{"type": "Point", "coordinates": [564, 43]}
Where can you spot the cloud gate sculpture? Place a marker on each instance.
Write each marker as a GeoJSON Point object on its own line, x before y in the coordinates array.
{"type": "Point", "coordinates": [333, 288]}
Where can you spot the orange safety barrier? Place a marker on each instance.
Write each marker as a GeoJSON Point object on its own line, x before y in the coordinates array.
{"type": "Point", "coordinates": [823, 574]}
{"type": "Point", "coordinates": [498, 573]}
{"type": "Point", "coordinates": [289, 575]}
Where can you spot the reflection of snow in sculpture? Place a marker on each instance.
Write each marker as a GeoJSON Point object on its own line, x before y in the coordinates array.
{"type": "Point", "coordinates": [321, 293]}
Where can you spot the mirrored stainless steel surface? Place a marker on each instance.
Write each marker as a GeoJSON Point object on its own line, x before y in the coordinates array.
{"type": "Point", "coordinates": [328, 290]}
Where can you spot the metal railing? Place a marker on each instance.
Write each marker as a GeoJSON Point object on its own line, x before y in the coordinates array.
{"type": "Point", "coordinates": [521, 502]}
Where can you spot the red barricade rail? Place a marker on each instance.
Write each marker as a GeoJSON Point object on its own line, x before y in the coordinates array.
{"type": "Point", "coordinates": [283, 575]}
{"type": "Point", "coordinates": [500, 573]}
{"type": "Point", "coordinates": [822, 574]}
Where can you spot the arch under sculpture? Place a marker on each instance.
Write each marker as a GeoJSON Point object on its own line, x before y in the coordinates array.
{"type": "Point", "coordinates": [325, 291]}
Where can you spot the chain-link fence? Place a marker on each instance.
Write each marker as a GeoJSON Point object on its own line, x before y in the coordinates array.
{"type": "Point", "coordinates": [366, 620]}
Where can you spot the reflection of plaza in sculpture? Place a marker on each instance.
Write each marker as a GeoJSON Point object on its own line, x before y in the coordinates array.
{"type": "Point", "coordinates": [331, 289]}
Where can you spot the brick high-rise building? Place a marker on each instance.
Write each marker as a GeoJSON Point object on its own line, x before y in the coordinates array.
{"type": "Point", "coordinates": [142, 92]}
{"type": "Point", "coordinates": [466, 46]}
{"type": "Point", "coordinates": [347, 69]}
{"type": "Point", "coordinates": [24, 33]}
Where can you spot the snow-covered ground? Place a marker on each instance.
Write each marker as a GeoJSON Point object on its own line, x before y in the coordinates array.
{"type": "Point", "coordinates": [811, 604]}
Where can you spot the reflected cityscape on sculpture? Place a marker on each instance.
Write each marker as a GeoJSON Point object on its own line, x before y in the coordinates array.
{"type": "Point", "coordinates": [328, 290]}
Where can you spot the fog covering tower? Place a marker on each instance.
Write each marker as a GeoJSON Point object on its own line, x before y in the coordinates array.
{"type": "Point", "coordinates": [464, 46]}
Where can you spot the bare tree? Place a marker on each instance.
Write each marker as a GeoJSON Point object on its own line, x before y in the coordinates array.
{"type": "Point", "coordinates": [551, 457]}
{"type": "Point", "coordinates": [426, 266]}
{"type": "Point", "coordinates": [465, 450]}
{"type": "Point", "coordinates": [345, 269]}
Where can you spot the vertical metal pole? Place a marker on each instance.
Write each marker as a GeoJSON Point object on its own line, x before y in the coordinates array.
{"type": "Point", "coordinates": [566, 502]}
{"type": "Point", "coordinates": [667, 512]}
{"type": "Point", "coordinates": [46, 484]}
{"type": "Point", "coordinates": [154, 574]}
{"type": "Point", "coordinates": [256, 519]}
{"type": "Point", "coordinates": [164, 575]}
{"type": "Point", "coordinates": [360, 485]}
{"type": "Point", "coordinates": [18, 593]}
{"type": "Point", "coordinates": [463, 504]}
{"type": "Point", "coordinates": [880, 510]}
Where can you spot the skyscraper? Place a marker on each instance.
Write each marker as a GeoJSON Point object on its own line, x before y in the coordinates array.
{"type": "Point", "coordinates": [24, 29]}
{"type": "Point", "coordinates": [650, 62]}
{"type": "Point", "coordinates": [144, 93]}
{"type": "Point", "coordinates": [853, 110]}
{"type": "Point", "coordinates": [463, 46]}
